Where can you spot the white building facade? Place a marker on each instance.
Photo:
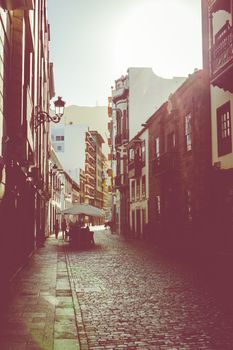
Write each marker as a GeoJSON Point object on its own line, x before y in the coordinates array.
{"type": "Point", "coordinates": [69, 145]}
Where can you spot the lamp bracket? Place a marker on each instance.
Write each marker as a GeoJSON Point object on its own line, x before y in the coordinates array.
{"type": "Point", "coordinates": [41, 117]}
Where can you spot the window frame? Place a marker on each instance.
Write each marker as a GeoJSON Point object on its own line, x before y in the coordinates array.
{"type": "Point", "coordinates": [138, 189]}
{"type": "Point", "coordinates": [133, 191]}
{"type": "Point", "coordinates": [171, 141]}
{"type": "Point", "coordinates": [188, 132]}
{"type": "Point", "coordinates": [157, 206]}
{"type": "Point", "coordinates": [224, 129]}
{"type": "Point", "coordinates": [143, 186]}
{"type": "Point", "coordinates": [131, 154]}
{"type": "Point", "coordinates": [143, 152]}
{"type": "Point", "coordinates": [157, 147]}
{"type": "Point", "coordinates": [189, 205]}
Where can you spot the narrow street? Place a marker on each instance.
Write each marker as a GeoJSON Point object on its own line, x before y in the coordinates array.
{"type": "Point", "coordinates": [117, 295]}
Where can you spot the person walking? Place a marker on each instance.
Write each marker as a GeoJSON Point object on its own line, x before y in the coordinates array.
{"type": "Point", "coordinates": [64, 228]}
{"type": "Point", "coordinates": [56, 228]}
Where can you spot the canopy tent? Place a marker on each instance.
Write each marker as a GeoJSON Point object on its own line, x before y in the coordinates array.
{"type": "Point", "coordinates": [85, 209]}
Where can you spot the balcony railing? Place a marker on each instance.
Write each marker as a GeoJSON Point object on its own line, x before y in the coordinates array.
{"type": "Point", "coordinates": [222, 57]}
{"type": "Point", "coordinates": [120, 93]}
{"type": "Point", "coordinates": [137, 166]}
{"type": "Point", "coordinates": [166, 163]}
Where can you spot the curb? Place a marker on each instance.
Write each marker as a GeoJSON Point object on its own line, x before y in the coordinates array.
{"type": "Point", "coordinates": [82, 335]}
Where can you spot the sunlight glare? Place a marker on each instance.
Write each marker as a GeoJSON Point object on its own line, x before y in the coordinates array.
{"type": "Point", "coordinates": [164, 31]}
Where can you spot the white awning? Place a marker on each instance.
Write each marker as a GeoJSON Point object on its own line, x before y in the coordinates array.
{"type": "Point", "coordinates": [86, 209]}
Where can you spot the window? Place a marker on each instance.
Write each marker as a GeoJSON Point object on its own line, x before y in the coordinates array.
{"type": "Point", "coordinates": [189, 205]}
{"type": "Point", "coordinates": [188, 132]}
{"type": "Point", "coordinates": [60, 148]}
{"type": "Point", "coordinates": [143, 151]}
{"type": "Point", "coordinates": [224, 129]}
{"type": "Point", "coordinates": [171, 141]}
{"type": "Point", "coordinates": [59, 138]}
{"type": "Point", "coordinates": [157, 206]}
{"type": "Point", "coordinates": [118, 121]}
{"type": "Point", "coordinates": [133, 190]}
{"type": "Point", "coordinates": [131, 154]}
{"type": "Point", "coordinates": [157, 153]}
{"type": "Point", "coordinates": [143, 186]}
{"type": "Point", "coordinates": [138, 189]}
{"type": "Point", "coordinates": [124, 125]}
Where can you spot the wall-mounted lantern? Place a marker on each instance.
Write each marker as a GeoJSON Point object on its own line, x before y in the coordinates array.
{"type": "Point", "coordinates": [41, 116]}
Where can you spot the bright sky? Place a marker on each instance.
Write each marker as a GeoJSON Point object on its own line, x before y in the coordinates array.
{"type": "Point", "coordinates": [94, 42]}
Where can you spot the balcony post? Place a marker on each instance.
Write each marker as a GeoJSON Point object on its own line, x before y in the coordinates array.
{"type": "Point", "coordinates": [211, 39]}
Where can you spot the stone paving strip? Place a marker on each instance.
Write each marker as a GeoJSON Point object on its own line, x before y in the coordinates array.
{"type": "Point", "coordinates": [41, 315]}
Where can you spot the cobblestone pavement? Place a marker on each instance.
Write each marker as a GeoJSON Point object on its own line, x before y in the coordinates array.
{"type": "Point", "coordinates": [117, 295]}
{"type": "Point", "coordinates": [130, 296]}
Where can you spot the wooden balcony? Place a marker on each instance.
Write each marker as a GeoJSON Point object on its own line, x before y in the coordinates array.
{"type": "Point", "coordinates": [120, 94]}
{"type": "Point", "coordinates": [110, 112]}
{"type": "Point", "coordinates": [217, 5]}
{"type": "Point", "coordinates": [165, 164]}
{"type": "Point", "coordinates": [222, 58]}
{"type": "Point", "coordinates": [135, 168]}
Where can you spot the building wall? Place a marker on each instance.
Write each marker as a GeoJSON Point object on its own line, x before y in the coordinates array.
{"type": "Point", "coordinates": [220, 71]}
{"type": "Point", "coordinates": [184, 188]}
{"type": "Point", "coordinates": [135, 96]}
{"type": "Point", "coordinates": [141, 203]}
{"type": "Point", "coordinates": [4, 77]}
{"type": "Point", "coordinates": [71, 150]}
{"type": "Point", "coordinates": [90, 169]}
{"type": "Point", "coordinates": [155, 186]}
{"type": "Point", "coordinates": [219, 97]}
{"type": "Point", "coordinates": [25, 87]}
{"type": "Point", "coordinates": [147, 92]}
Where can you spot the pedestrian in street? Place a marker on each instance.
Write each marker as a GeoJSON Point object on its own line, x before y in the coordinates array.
{"type": "Point", "coordinates": [56, 228]}
{"type": "Point", "coordinates": [63, 228]}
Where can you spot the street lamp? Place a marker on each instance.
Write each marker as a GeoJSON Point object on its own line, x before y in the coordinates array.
{"type": "Point", "coordinates": [41, 116]}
